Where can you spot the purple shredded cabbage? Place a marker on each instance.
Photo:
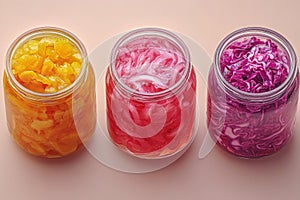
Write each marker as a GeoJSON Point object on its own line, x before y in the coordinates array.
{"type": "Point", "coordinates": [255, 66]}
{"type": "Point", "coordinates": [245, 128]}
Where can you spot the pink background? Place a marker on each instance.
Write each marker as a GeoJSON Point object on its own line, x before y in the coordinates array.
{"type": "Point", "coordinates": [218, 176]}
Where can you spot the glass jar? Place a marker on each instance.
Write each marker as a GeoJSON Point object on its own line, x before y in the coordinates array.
{"type": "Point", "coordinates": [50, 124]}
{"type": "Point", "coordinates": [256, 123]}
{"type": "Point", "coordinates": [150, 94]}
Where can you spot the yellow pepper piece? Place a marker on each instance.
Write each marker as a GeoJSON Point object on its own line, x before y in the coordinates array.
{"type": "Point", "coordinates": [47, 64]}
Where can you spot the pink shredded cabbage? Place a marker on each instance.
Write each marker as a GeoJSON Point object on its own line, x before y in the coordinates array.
{"type": "Point", "coordinates": [252, 129]}
{"type": "Point", "coordinates": [255, 66]}
{"type": "Point", "coordinates": [161, 126]}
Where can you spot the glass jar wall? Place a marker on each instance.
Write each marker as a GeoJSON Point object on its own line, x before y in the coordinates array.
{"type": "Point", "coordinates": [49, 91]}
{"type": "Point", "coordinates": [150, 94]}
{"type": "Point", "coordinates": [253, 89]}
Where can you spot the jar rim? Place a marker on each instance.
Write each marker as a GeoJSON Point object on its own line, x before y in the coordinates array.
{"type": "Point", "coordinates": [36, 33]}
{"type": "Point", "coordinates": [267, 34]}
{"type": "Point", "coordinates": [150, 31]}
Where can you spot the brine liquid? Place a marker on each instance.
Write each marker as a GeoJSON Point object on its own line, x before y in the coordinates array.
{"type": "Point", "coordinates": [153, 127]}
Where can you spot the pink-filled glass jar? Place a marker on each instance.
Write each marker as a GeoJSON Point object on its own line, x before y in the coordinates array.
{"type": "Point", "coordinates": [150, 94]}
{"type": "Point", "coordinates": [253, 89]}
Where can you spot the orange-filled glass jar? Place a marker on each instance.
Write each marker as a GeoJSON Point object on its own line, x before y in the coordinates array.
{"type": "Point", "coordinates": [49, 90]}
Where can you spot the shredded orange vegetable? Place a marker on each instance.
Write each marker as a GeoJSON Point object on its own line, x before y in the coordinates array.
{"type": "Point", "coordinates": [47, 65]}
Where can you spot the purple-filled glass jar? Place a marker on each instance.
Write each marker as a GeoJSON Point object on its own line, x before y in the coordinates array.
{"type": "Point", "coordinates": [253, 89]}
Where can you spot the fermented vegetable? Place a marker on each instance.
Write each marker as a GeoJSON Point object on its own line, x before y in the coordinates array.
{"type": "Point", "coordinates": [253, 91]}
{"type": "Point", "coordinates": [49, 94]}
